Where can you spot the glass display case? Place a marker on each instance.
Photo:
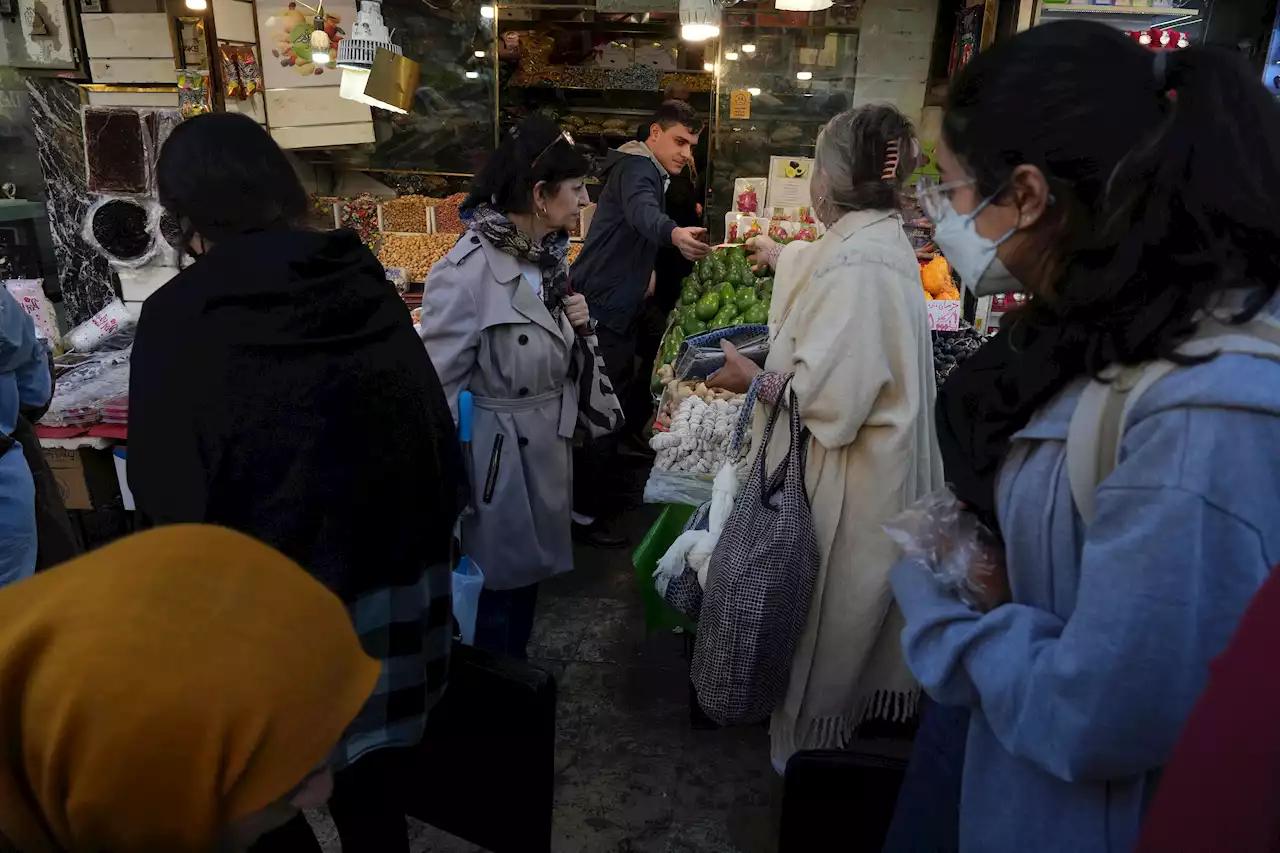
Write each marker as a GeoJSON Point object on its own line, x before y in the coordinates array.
{"type": "Point", "coordinates": [781, 76]}
{"type": "Point", "coordinates": [599, 69]}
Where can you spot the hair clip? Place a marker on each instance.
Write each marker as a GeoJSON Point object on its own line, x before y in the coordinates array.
{"type": "Point", "coordinates": [890, 162]}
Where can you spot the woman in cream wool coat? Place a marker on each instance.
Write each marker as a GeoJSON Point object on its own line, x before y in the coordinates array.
{"type": "Point", "coordinates": [849, 325]}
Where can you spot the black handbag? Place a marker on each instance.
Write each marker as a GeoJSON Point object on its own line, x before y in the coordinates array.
{"type": "Point", "coordinates": [485, 768]}
{"type": "Point", "coordinates": [844, 794]}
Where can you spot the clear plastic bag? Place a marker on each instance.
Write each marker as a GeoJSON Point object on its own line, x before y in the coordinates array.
{"type": "Point", "coordinates": [81, 391]}
{"type": "Point", "coordinates": [678, 487]}
{"type": "Point", "coordinates": [937, 531]}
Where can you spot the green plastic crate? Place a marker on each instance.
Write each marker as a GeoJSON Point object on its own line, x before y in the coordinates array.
{"type": "Point", "coordinates": [659, 615]}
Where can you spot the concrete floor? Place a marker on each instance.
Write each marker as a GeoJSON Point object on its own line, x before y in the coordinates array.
{"type": "Point", "coordinates": [632, 776]}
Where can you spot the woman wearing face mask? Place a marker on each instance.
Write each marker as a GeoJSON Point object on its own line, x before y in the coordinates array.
{"type": "Point", "coordinates": [499, 320]}
{"type": "Point", "coordinates": [1156, 238]}
{"type": "Point", "coordinates": [180, 690]}
{"type": "Point", "coordinates": [278, 389]}
{"type": "Point", "coordinates": [850, 331]}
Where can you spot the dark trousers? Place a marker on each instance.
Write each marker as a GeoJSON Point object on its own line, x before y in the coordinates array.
{"type": "Point", "coordinates": [504, 620]}
{"type": "Point", "coordinates": [366, 807]}
{"type": "Point", "coordinates": [595, 463]}
{"type": "Point", "coordinates": [927, 816]}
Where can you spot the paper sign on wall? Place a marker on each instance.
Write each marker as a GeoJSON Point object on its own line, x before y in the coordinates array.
{"type": "Point", "coordinates": [789, 181]}
{"type": "Point", "coordinates": [740, 104]}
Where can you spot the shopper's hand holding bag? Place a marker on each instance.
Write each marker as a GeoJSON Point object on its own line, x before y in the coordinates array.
{"type": "Point", "coordinates": [758, 588]}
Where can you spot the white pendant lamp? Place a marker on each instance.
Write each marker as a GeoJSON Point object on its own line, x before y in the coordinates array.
{"type": "Point", "coordinates": [802, 5]}
{"type": "Point", "coordinates": [699, 20]}
{"type": "Point", "coordinates": [369, 33]}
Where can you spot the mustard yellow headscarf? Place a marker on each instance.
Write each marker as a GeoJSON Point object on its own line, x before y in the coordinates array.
{"type": "Point", "coordinates": [155, 690]}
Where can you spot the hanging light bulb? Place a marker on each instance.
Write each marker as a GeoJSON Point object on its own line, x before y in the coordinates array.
{"type": "Point", "coordinates": [472, 75]}
{"type": "Point", "coordinates": [707, 66]}
{"type": "Point", "coordinates": [748, 48]}
{"type": "Point", "coordinates": [699, 19]}
{"type": "Point", "coordinates": [1144, 38]}
{"type": "Point", "coordinates": [1164, 39]}
{"type": "Point", "coordinates": [320, 43]}
{"type": "Point", "coordinates": [375, 72]}
{"type": "Point", "coordinates": [731, 56]}
{"type": "Point", "coordinates": [802, 5]}
{"type": "Point", "coordinates": [488, 12]}
{"type": "Point", "coordinates": [479, 54]}
{"type": "Point", "coordinates": [804, 75]}
{"type": "Point", "coordinates": [753, 91]}
{"type": "Point", "coordinates": [197, 5]}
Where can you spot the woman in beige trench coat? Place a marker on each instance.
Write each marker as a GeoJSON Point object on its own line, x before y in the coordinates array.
{"type": "Point", "coordinates": [498, 321]}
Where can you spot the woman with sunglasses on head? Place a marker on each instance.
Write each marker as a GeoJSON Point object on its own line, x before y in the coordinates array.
{"type": "Point", "coordinates": [1137, 512]}
{"type": "Point", "coordinates": [850, 339]}
{"type": "Point", "coordinates": [500, 321]}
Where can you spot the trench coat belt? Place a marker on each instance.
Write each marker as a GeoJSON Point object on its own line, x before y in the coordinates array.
{"type": "Point", "coordinates": [568, 407]}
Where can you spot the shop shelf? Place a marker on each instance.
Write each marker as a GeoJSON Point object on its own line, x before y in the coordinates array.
{"type": "Point", "coordinates": [1124, 11]}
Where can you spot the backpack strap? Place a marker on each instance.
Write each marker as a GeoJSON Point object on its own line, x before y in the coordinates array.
{"type": "Point", "coordinates": [1098, 422]}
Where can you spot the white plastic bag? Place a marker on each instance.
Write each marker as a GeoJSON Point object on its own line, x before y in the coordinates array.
{"type": "Point", "coordinates": [693, 548]}
{"type": "Point", "coordinates": [937, 531]}
{"type": "Point", "coordinates": [468, 581]}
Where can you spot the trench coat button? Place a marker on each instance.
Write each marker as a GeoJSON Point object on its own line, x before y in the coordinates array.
{"type": "Point", "coordinates": [522, 441]}
{"type": "Point", "coordinates": [475, 238]}
{"type": "Point", "coordinates": [523, 392]}
{"type": "Point", "coordinates": [522, 340]}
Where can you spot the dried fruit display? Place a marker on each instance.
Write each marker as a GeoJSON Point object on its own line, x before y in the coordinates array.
{"type": "Point", "coordinates": [447, 219]}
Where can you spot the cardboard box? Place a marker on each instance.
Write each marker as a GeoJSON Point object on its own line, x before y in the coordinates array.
{"type": "Point", "coordinates": [86, 478]}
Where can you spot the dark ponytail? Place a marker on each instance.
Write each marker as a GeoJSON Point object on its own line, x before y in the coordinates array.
{"type": "Point", "coordinates": [1165, 176]}
{"type": "Point", "coordinates": [531, 152]}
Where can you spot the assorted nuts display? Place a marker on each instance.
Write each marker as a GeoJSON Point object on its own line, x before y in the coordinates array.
{"type": "Point", "coordinates": [408, 213]}
{"type": "Point", "coordinates": [415, 253]}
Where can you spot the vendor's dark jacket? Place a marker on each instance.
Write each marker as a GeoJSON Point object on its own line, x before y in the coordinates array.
{"type": "Point", "coordinates": [629, 226]}
{"type": "Point", "coordinates": [278, 388]}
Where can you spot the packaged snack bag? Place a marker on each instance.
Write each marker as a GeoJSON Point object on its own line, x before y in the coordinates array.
{"type": "Point", "coordinates": [250, 70]}
{"type": "Point", "coordinates": [193, 93]}
{"type": "Point", "coordinates": [231, 71]}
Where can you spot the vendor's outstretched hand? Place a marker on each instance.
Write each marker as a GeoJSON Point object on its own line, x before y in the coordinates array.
{"type": "Point", "coordinates": [738, 372]}
{"type": "Point", "coordinates": [689, 241]}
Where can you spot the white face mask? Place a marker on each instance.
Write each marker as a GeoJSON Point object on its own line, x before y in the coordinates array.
{"type": "Point", "coordinates": [968, 252]}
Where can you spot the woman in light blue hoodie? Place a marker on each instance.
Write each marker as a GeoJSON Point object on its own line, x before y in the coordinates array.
{"type": "Point", "coordinates": [1131, 194]}
{"type": "Point", "coordinates": [24, 381]}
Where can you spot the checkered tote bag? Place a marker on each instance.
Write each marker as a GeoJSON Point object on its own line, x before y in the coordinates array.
{"type": "Point", "coordinates": [759, 584]}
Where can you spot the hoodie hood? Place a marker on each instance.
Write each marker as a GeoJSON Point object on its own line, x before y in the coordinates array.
{"type": "Point", "coordinates": [285, 288]}
{"type": "Point", "coordinates": [635, 149]}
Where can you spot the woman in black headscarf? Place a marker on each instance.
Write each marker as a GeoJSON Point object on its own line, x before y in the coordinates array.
{"type": "Point", "coordinates": [278, 389]}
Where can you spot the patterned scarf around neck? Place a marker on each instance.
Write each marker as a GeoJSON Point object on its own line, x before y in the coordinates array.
{"type": "Point", "coordinates": [549, 255]}
{"type": "Point", "coordinates": [598, 410]}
